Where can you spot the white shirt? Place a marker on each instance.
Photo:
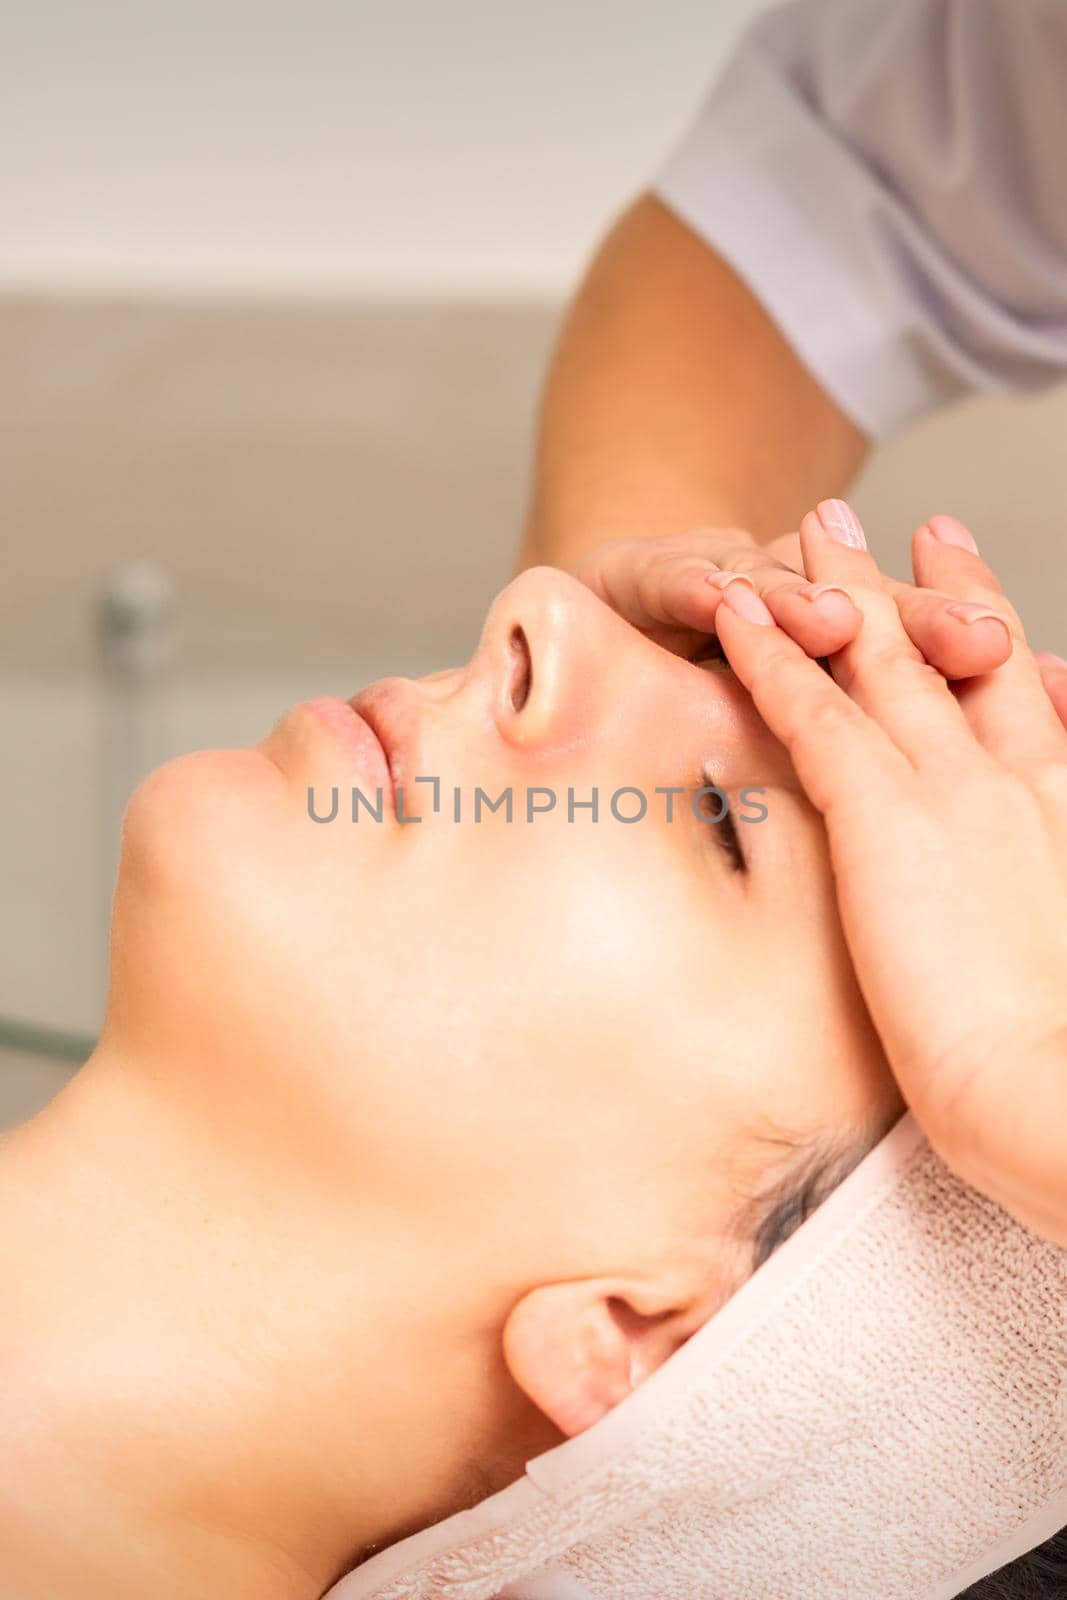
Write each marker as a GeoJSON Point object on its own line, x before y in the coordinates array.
{"type": "Point", "coordinates": [890, 179]}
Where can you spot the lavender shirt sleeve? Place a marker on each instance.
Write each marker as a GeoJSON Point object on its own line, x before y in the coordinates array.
{"type": "Point", "coordinates": [890, 179]}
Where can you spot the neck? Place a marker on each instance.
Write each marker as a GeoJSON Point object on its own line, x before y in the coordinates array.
{"type": "Point", "coordinates": [215, 1375]}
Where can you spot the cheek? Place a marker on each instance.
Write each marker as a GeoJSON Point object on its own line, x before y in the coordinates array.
{"type": "Point", "coordinates": [562, 954]}
{"type": "Point", "coordinates": [491, 978]}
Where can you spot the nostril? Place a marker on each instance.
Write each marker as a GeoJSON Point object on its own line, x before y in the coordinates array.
{"type": "Point", "coordinates": [521, 678]}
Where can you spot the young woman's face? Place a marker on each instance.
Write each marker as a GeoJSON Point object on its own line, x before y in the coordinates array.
{"type": "Point", "coordinates": [550, 1019]}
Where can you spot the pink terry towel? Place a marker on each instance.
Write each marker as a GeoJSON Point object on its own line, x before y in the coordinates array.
{"type": "Point", "coordinates": [880, 1413]}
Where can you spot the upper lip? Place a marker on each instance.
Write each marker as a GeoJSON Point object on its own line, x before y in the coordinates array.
{"type": "Point", "coordinates": [391, 718]}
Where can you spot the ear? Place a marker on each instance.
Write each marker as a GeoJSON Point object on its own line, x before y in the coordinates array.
{"type": "Point", "coordinates": [578, 1348]}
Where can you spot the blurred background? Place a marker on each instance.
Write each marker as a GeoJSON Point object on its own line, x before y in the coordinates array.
{"type": "Point", "coordinates": [277, 287]}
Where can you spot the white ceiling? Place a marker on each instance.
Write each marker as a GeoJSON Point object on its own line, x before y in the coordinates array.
{"type": "Point", "coordinates": [336, 145]}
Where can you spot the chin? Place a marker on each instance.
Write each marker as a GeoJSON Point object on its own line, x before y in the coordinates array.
{"type": "Point", "coordinates": [203, 838]}
{"type": "Point", "coordinates": [181, 807]}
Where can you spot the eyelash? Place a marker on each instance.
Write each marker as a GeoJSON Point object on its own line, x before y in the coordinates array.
{"type": "Point", "coordinates": [725, 827]}
{"type": "Point", "coordinates": [713, 656]}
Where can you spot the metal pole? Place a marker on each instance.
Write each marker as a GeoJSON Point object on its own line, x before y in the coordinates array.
{"type": "Point", "coordinates": [135, 616]}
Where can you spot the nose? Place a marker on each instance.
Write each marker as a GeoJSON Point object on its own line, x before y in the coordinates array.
{"type": "Point", "coordinates": [529, 660]}
{"type": "Point", "coordinates": [557, 669]}
{"type": "Point", "coordinates": [550, 654]}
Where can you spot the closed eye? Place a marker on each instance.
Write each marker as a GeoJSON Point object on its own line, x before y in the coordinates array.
{"type": "Point", "coordinates": [716, 807]}
{"type": "Point", "coordinates": [711, 654]}
{"type": "Point", "coordinates": [726, 833]}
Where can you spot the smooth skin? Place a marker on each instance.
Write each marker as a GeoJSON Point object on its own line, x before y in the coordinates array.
{"type": "Point", "coordinates": [946, 815]}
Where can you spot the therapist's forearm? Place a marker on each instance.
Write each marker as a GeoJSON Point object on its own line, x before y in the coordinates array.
{"type": "Point", "coordinates": [673, 402]}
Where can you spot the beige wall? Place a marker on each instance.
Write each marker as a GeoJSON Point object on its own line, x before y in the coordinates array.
{"type": "Point", "coordinates": [341, 485]}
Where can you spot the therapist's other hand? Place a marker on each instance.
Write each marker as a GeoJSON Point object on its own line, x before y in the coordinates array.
{"type": "Point", "coordinates": [936, 566]}
{"type": "Point", "coordinates": [671, 589]}
{"type": "Point", "coordinates": [946, 813]}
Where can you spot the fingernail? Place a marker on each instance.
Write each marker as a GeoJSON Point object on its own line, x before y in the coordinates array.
{"type": "Point", "coordinates": [814, 591]}
{"type": "Point", "coordinates": [841, 523]}
{"type": "Point", "coordinates": [722, 580]}
{"type": "Point", "coordinates": [946, 530]}
{"type": "Point", "coordinates": [747, 603]}
{"type": "Point", "coordinates": [1048, 658]}
{"type": "Point", "coordinates": [972, 613]}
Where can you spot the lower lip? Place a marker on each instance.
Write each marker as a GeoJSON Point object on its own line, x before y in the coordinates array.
{"type": "Point", "coordinates": [357, 736]}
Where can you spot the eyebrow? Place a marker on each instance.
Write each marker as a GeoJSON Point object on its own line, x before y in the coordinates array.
{"type": "Point", "coordinates": [814, 1166]}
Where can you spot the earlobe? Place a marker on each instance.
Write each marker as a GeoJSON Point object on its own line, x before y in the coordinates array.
{"type": "Point", "coordinates": [578, 1348]}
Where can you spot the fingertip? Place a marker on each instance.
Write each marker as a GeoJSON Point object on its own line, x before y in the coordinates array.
{"type": "Point", "coordinates": [974, 615]}
{"type": "Point", "coordinates": [946, 529]}
{"type": "Point", "coordinates": [724, 578]}
{"type": "Point", "coordinates": [840, 523]}
{"type": "Point", "coordinates": [836, 612]}
{"type": "Point", "coordinates": [746, 603]}
{"type": "Point", "coordinates": [829, 596]}
{"type": "Point", "coordinates": [819, 623]}
{"type": "Point", "coordinates": [812, 544]}
{"type": "Point", "coordinates": [961, 652]}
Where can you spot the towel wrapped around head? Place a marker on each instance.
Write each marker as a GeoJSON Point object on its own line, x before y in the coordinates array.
{"type": "Point", "coordinates": [879, 1413]}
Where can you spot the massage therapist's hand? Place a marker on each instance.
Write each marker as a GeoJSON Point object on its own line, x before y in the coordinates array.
{"type": "Point", "coordinates": [946, 813]}
{"type": "Point", "coordinates": [671, 588]}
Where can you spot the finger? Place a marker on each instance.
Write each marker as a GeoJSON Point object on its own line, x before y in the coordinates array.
{"type": "Point", "coordinates": [615, 565]}
{"type": "Point", "coordinates": [672, 591]}
{"type": "Point", "coordinates": [837, 751]}
{"type": "Point", "coordinates": [675, 590]}
{"type": "Point", "coordinates": [820, 617]}
{"type": "Point", "coordinates": [659, 585]}
{"type": "Point", "coordinates": [1009, 708]}
{"type": "Point", "coordinates": [944, 555]}
{"type": "Point", "coordinates": [958, 644]}
{"type": "Point", "coordinates": [1054, 677]}
{"type": "Point", "coordinates": [943, 638]}
{"type": "Point", "coordinates": [637, 579]}
{"type": "Point", "coordinates": [952, 643]}
{"type": "Point", "coordinates": [881, 669]}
